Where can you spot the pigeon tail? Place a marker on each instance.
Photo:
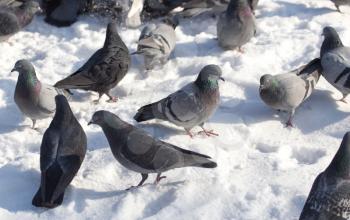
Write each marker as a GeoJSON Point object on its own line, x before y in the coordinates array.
{"type": "Point", "coordinates": [145, 113]}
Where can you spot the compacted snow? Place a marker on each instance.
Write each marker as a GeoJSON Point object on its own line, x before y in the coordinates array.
{"type": "Point", "coordinates": [265, 170]}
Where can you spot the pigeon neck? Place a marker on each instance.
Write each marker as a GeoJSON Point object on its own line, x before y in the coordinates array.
{"type": "Point", "coordinates": [331, 43]}
{"type": "Point", "coordinates": [112, 37]}
{"type": "Point", "coordinates": [63, 114]}
{"type": "Point", "coordinates": [29, 79]}
{"type": "Point", "coordinates": [237, 7]}
{"type": "Point", "coordinates": [207, 84]}
{"type": "Point", "coordinates": [340, 165]}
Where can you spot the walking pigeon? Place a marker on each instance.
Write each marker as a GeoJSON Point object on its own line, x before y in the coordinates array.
{"type": "Point", "coordinates": [287, 91]}
{"type": "Point", "coordinates": [138, 151]}
{"type": "Point", "coordinates": [62, 152]}
{"type": "Point", "coordinates": [190, 106]}
{"type": "Point", "coordinates": [105, 68]}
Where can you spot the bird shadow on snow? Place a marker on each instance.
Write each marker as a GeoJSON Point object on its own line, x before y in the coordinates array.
{"type": "Point", "coordinates": [10, 116]}
{"type": "Point", "coordinates": [288, 9]}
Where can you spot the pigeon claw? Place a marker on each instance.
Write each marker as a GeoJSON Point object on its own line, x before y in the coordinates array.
{"type": "Point", "coordinates": [209, 133]}
{"type": "Point", "coordinates": [158, 179]}
{"type": "Point", "coordinates": [289, 124]}
{"type": "Point", "coordinates": [112, 99]}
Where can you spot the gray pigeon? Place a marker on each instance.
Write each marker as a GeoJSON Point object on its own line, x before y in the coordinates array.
{"type": "Point", "coordinates": [138, 151]}
{"type": "Point", "coordinates": [105, 68]}
{"type": "Point", "coordinates": [339, 3]}
{"type": "Point", "coordinates": [157, 42]}
{"type": "Point", "coordinates": [236, 26]}
{"type": "Point", "coordinates": [330, 193]}
{"type": "Point", "coordinates": [62, 152]}
{"type": "Point", "coordinates": [190, 106]}
{"type": "Point", "coordinates": [335, 60]}
{"type": "Point", "coordinates": [12, 20]}
{"type": "Point", "coordinates": [287, 91]}
{"type": "Point", "coordinates": [62, 12]}
{"type": "Point", "coordinates": [36, 100]}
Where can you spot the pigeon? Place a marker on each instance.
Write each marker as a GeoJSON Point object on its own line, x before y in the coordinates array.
{"type": "Point", "coordinates": [105, 68]}
{"type": "Point", "coordinates": [330, 193]}
{"type": "Point", "coordinates": [36, 100]}
{"type": "Point", "coordinates": [62, 13]}
{"type": "Point", "coordinates": [62, 152]}
{"type": "Point", "coordinates": [287, 91]}
{"type": "Point", "coordinates": [12, 20]}
{"type": "Point", "coordinates": [190, 106]}
{"type": "Point", "coordinates": [339, 3]}
{"type": "Point", "coordinates": [236, 26]}
{"type": "Point", "coordinates": [157, 42]}
{"type": "Point", "coordinates": [140, 152]}
{"type": "Point", "coordinates": [335, 60]}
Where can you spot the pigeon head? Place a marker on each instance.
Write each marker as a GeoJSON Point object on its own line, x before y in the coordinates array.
{"type": "Point", "coordinates": [31, 7]}
{"type": "Point", "coordinates": [331, 40]}
{"type": "Point", "coordinates": [112, 35]}
{"type": "Point", "coordinates": [208, 77]}
{"type": "Point", "coordinates": [103, 118]}
{"type": "Point", "coordinates": [25, 69]}
{"type": "Point", "coordinates": [266, 81]}
{"type": "Point", "coordinates": [340, 165]}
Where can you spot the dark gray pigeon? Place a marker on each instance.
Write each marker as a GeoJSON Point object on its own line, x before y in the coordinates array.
{"type": "Point", "coordinates": [330, 193]}
{"type": "Point", "coordinates": [138, 151]}
{"type": "Point", "coordinates": [157, 42]}
{"type": "Point", "coordinates": [12, 20]}
{"type": "Point", "coordinates": [335, 60]}
{"type": "Point", "coordinates": [339, 3]}
{"type": "Point", "coordinates": [62, 152]}
{"type": "Point", "coordinates": [287, 91]}
{"type": "Point", "coordinates": [62, 12]}
{"type": "Point", "coordinates": [236, 26]}
{"type": "Point", "coordinates": [190, 106]}
{"type": "Point", "coordinates": [36, 100]}
{"type": "Point", "coordinates": [105, 68]}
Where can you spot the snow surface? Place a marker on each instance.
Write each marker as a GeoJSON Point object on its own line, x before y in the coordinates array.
{"type": "Point", "coordinates": [265, 171]}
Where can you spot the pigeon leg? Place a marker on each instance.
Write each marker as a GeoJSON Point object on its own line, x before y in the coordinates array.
{"type": "Point", "coordinates": [34, 122]}
{"type": "Point", "coordinates": [343, 99]}
{"type": "Point", "coordinates": [208, 133]}
{"type": "Point", "coordinates": [144, 178]}
{"type": "Point", "coordinates": [111, 98]}
{"type": "Point", "coordinates": [98, 100]}
{"type": "Point", "coordinates": [240, 49]}
{"type": "Point", "coordinates": [338, 8]}
{"type": "Point", "coordinates": [189, 133]}
{"type": "Point", "coordinates": [159, 178]}
{"type": "Point", "coordinates": [289, 122]}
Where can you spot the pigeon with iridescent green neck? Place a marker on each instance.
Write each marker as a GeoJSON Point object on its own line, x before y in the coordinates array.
{"type": "Point", "coordinates": [36, 100]}
{"type": "Point", "coordinates": [190, 106]}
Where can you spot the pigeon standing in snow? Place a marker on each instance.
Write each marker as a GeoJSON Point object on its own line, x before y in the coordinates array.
{"type": "Point", "coordinates": [330, 193]}
{"type": "Point", "coordinates": [105, 68]}
{"type": "Point", "coordinates": [36, 100]}
{"type": "Point", "coordinates": [335, 60]}
{"type": "Point", "coordinates": [287, 91]}
{"type": "Point", "coordinates": [13, 20]}
{"type": "Point", "coordinates": [236, 26]}
{"type": "Point", "coordinates": [190, 106]}
{"type": "Point", "coordinates": [62, 12]}
{"type": "Point", "coordinates": [339, 3]}
{"type": "Point", "coordinates": [157, 42]}
{"type": "Point", "coordinates": [62, 152]}
{"type": "Point", "coordinates": [139, 152]}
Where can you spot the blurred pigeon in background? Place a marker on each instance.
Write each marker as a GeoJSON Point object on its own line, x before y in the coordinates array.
{"type": "Point", "coordinates": [330, 193]}
{"type": "Point", "coordinates": [339, 3]}
{"type": "Point", "coordinates": [13, 19]}
{"type": "Point", "coordinates": [190, 106]}
{"type": "Point", "coordinates": [105, 68]}
{"type": "Point", "coordinates": [236, 26]}
{"type": "Point", "coordinates": [62, 152]}
{"type": "Point", "coordinates": [335, 60]}
{"type": "Point", "coordinates": [157, 42]}
{"type": "Point", "coordinates": [36, 100]}
{"type": "Point", "coordinates": [287, 91]}
{"type": "Point", "coordinates": [138, 151]}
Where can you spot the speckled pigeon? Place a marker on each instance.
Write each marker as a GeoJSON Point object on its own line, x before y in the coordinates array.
{"type": "Point", "coordinates": [140, 152]}
{"type": "Point", "coordinates": [62, 152]}
{"type": "Point", "coordinates": [157, 42]}
{"type": "Point", "coordinates": [339, 3]}
{"type": "Point", "coordinates": [236, 26]}
{"type": "Point", "coordinates": [14, 19]}
{"type": "Point", "coordinates": [335, 60]}
{"type": "Point", "coordinates": [105, 68]}
{"type": "Point", "coordinates": [329, 198]}
{"type": "Point", "coordinates": [36, 100]}
{"type": "Point", "coordinates": [190, 106]}
{"type": "Point", "coordinates": [287, 91]}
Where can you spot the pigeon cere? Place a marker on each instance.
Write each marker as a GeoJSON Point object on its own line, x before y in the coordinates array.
{"type": "Point", "coordinates": [175, 109]}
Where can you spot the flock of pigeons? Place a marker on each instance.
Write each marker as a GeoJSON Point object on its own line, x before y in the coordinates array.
{"type": "Point", "coordinates": [64, 143]}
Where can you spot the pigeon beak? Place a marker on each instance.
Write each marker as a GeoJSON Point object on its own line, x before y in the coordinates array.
{"type": "Point", "coordinates": [13, 70]}
{"type": "Point", "coordinates": [222, 79]}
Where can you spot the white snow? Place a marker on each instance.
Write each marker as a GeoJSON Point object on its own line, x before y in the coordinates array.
{"type": "Point", "coordinates": [265, 170]}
